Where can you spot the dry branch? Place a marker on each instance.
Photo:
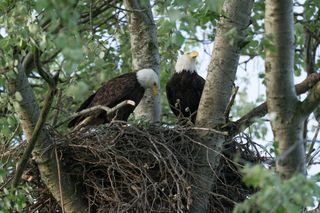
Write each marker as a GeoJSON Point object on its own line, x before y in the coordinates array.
{"type": "Point", "coordinates": [261, 110]}
{"type": "Point", "coordinates": [100, 107]}
{"type": "Point", "coordinates": [225, 133]}
{"type": "Point", "coordinates": [95, 108]}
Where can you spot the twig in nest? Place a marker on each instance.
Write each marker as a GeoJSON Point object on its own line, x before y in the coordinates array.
{"type": "Point", "coordinates": [211, 130]}
{"type": "Point", "coordinates": [95, 108]}
{"type": "Point", "coordinates": [59, 178]}
{"type": "Point", "coordinates": [107, 109]}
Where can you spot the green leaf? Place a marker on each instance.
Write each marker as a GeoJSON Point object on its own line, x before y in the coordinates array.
{"type": "Point", "coordinates": [179, 39]}
{"type": "Point", "coordinates": [275, 194]}
{"type": "Point", "coordinates": [18, 96]}
{"type": "Point", "coordinates": [6, 191]}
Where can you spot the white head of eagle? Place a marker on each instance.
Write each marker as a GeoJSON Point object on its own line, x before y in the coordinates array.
{"type": "Point", "coordinates": [187, 62]}
{"type": "Point", "coordinates": [148, 79]}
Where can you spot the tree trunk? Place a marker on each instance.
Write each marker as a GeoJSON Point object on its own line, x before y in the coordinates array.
{"type": "Point", "coordinates": [145, 53]}
{"type": "Point", "coordinates": [283, 105]}
{"type": "Point", "coordinates": [27, 111]}
{"type": "Point", "coordinates": [217, 92]}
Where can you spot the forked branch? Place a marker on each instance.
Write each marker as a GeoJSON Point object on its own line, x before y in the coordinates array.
{"type": "Point", "coordinates": [100, 107]}
{"type": "Point", "coordinates": [261, 110]}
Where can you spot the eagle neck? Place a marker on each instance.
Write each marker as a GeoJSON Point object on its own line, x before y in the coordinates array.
{"type": "Point", "coordinates": [185, 70]}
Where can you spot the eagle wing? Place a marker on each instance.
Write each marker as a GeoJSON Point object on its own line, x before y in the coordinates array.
{"type": "Point", "coordinates": [188, 88]}
{"type": "Point", "coordinates": [198, 84]}
{"type": "Point", "coordinates": [110, 94]}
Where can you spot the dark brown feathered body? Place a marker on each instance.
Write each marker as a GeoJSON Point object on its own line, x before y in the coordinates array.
{"type": "Point", "coordinates": [121, 88]}
{"type": "Point", "coordinates": [187, 87]}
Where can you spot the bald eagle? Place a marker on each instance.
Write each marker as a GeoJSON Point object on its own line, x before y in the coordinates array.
{"type": "Point", "coordinates": [129, 86]}
{"type": "Point", "coordinates": [184, 89]}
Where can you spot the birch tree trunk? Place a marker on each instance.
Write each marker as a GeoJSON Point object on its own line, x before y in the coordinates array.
{"type": "Point", "coordinates": [145, 53]}
{"type": "Point", "coordinates": [217, 92]}
{"type": "Point", "coordinates": [27, 111]}
{"type": "Point", "coordinates": [283, 105]}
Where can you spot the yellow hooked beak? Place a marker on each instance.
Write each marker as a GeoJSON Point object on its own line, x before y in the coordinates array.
{"type": "Point", "coordinates": [194, 54]}
{"type": "Point", "coordinates": [155, 90]}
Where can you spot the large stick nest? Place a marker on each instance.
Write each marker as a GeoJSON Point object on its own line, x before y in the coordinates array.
{"type": "Point", "coordinates": [145, 169]}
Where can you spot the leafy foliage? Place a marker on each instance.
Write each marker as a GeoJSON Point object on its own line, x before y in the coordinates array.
{"type": "Point", "coordinates": [13, 200]}
{"type": "Point", "coordinates": [278, 195]}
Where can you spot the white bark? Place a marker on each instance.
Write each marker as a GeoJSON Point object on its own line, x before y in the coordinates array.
{"type": "Point", "coordinates": [145, 53]}
{"type": "Point", "coordinates": [283, 105]}
{"type": "Point", "coordinates": [223, 66]}
{"type": "Point", "coordinates": [217, 92]}
{"type": "Point", "coordinates": [28, 112]}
